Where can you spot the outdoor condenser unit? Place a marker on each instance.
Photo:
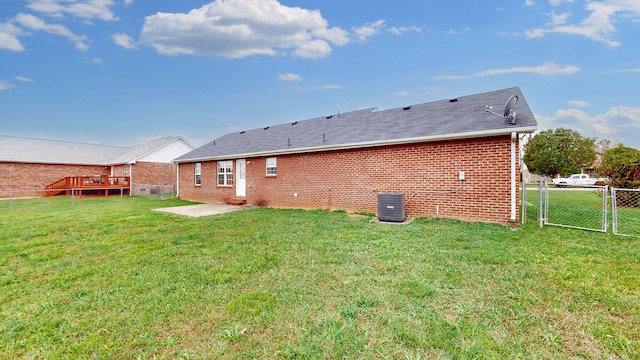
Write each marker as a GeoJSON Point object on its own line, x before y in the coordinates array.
{"type": "Point", "coordinates": [391, 207]}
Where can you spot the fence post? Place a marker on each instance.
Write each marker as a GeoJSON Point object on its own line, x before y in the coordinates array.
{"type": "Point", "coordinates": [523, 202]}
{"type": "Point", "coordinates": [614, 212]}
{"type": "Point", "coordinates": [605, 208]}
{"type": "Point", "coordinates": [73, 196]}
{"type": "Point", "coordinates": [540, 203]}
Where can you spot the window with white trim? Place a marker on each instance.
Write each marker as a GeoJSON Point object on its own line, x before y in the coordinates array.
{"type": "Point", "coordinates": [198, 174]}
{"type": "Point", "coordinates": [272, 168]}
{"type": "Point", "coordinates": [225, 173]}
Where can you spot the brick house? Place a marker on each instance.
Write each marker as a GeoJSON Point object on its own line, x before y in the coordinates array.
{"type": "Point", "coordinates": [28, 165]}
{"type": "Point", "coordinates": [343, 161]}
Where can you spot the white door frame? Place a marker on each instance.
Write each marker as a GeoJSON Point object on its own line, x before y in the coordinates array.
{"type": "Point", "coordinates": [241, 178]}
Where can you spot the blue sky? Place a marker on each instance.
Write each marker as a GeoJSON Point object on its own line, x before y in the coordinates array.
{"type": "Point", "coordinates": [121, 72]}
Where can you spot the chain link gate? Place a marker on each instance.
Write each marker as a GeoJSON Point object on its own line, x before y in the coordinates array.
{"type": "Point", "coordinates": [625, 209]}
{"type": "Point", "coordinates": [583, 208]}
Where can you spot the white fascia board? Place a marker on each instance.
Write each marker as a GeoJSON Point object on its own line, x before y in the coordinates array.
{"type": "Point", "coordinates": [366, 144]}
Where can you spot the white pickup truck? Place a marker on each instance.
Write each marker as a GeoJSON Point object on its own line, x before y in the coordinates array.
{"type": "Point", "coordinates": [578, 180]}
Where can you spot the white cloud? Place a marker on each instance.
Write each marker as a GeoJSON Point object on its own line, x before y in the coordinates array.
{"type": "Point", "coordinates": [403, 29]}
{"type": "Point", "coordinates": [631, 70]}
{"type": "Point", "coordinates": [241, 28]}
{"type": "Point", "coordinates": [22, 79]}
{"type": "Point", "coordinates": [458, 32]}
{"type": "Point", "coordinates": [363, 33]}
{"type": "Point", "coordinates": [620, 123]}
{"type": "Point", "coordinates": [598, 26]}
{"type": "Point", "coordinates": [5, 85]}
{"type": "Point", "coordinates": [124, 40]}
{"type": "Point", "coordinates": [85, 9]}
{"type": "Point", "coordinates": [548, 68]}
{"type": "Point", "coordinates": [313, 49]}
{"type": "Point", "coordinates": [578, 103]}
{"type": "Point", "coordinates": [325, 87]}
{"type": "Point", "coordinates": [559, 19]}
{"type": "Point", "coordinates": [34, 23]}
{"type": "Point", "coordinates": [558, 2]}
{"type": "Point", "coordinates": [328, 87]}
{"type": "Point", "coordinates": [451, 77]}
{"type": "Point", "coordinates": [9, 37]}
{"type": "Point", "coordinates": [289, 77]}
{"type": "Point", "coordinates": [529, 3]}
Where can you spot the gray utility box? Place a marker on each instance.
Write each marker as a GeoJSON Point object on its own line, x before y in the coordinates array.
{"type": "Point", "coordinates": [391, 207]}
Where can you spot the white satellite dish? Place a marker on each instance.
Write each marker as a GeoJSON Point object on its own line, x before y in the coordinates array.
{"type": "Point", "coordinates": [508, 109]}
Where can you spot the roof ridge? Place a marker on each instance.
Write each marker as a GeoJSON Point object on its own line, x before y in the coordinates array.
{"type": "Point", "coordinates": [62, 141]}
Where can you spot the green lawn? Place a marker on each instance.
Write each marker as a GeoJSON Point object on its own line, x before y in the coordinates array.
{"type": "Point", "coordinates": [108, 278]}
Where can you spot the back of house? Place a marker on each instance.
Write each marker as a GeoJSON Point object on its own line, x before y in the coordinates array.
{"type": "Point", "coordinates": [452, 158]}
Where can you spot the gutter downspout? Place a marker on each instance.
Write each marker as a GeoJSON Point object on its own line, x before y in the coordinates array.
{"type": "Point", "coordinates": [514, 136]}
{"type": "Point", "coordinates": [130, 179]}
{"type": "Point", "coordinates": [177, 179]}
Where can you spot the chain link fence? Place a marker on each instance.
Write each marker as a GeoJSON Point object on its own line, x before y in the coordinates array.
{"type": "Point", "coordinates": [12, 199]}
{"type": "Point", "coordinates": [155, 191]}
{"type": "Point", "coordinates": [626, 211]}
{"type": "Point", "coordinates": [17, 200]}
{"type": "Point", "coordinates": [586, 208]}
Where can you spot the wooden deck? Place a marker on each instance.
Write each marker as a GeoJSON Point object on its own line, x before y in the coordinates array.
{"type": "Point", "coordinates": [89, 185]}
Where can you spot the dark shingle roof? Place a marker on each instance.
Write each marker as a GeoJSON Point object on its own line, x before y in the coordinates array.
{"type": "Point", "coordinates": [464, 117]}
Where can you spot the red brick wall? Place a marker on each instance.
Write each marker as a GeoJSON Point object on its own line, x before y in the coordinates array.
{"type": "Point", "coordinates": [28, 177]}
{"type": "Point", "coordinates": [151, 173]}
{"type": "Point", "coordinates": [427, 173]}
{"type": "Point", "coordinates": [208, 191]}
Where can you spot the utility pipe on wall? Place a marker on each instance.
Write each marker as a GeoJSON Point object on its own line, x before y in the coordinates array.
{"type": "Point", "coordinates": [514, 137]}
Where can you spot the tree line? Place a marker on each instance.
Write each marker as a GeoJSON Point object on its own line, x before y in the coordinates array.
{"type": "Point", "coordinates": [563, 152]}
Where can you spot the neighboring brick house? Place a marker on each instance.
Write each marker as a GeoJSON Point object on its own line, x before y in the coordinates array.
{"type": "Point", "coordinates": [28, 165]}
{"type": "Point", "coordinates": [343, 161]}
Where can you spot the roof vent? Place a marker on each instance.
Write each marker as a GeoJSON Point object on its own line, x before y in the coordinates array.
{"type": "Point", "coordinates": [329, 117]}
{"type": "Point", "coordinates": [453, 100]}
{"type": "Point", "coordinates": [294, 123]}
{"type": "Point", "coordinates": [267, 128]}
{"type": "Point", "coordinates": [406, 108]}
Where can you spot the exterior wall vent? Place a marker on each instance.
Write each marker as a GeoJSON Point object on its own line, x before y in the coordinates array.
{"type": "Point", "coordinates": [391, 207]}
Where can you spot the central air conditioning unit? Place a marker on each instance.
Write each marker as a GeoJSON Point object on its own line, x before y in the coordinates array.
{"type": "Point", "coordinates": [391, 207]}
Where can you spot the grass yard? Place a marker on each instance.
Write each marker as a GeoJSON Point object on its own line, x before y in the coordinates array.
{"type": "Point", "coordinates": [107, 278]}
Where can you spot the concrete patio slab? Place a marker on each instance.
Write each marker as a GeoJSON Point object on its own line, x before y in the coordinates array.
{"type": "Point", "coordinates": [202, 209]}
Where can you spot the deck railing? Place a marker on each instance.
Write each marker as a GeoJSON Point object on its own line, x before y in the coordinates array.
{"type": "Point", "coordinates": [96, 182]}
